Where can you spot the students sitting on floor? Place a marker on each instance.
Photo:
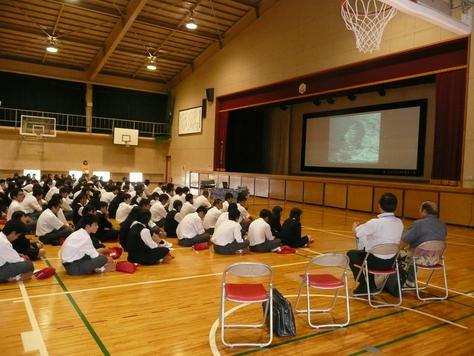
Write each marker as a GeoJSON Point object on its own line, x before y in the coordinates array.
{"type": "Point", "coordinates": [79, 256]}
{"type": "Point", "coordinates": [228, 199]}
{"type": "Point", "coordinates": [225, 216]}
{"type": "Point", "coordinates": [106, 231]}
{"type": "Point", "coordinates": [275, 220]}
{"type": "Point", "coordinates": [90, 210]}
{"type": "Point", "coordinates": [124, 209]}
{"type": "Point", "coordinates": [24, 246]}
{"type": "Point", "coordinates": [244, 214]}
{"type": "Point", "coordinates": [173, 218]}
{"type": "Point", "coordinates": [77, 205]}
{"type": "Point", "coordinates": [260, 234]}
{"type": "Point", "coordinates": [158, 210]}
{"type": "Point", "coordinates": [227, 238]}
{"type": "Point", "coordinates": [142, 246]}
{"type": "Point", "coordinates": [13, 267]}
{"type": "Point", "coordinates": [17, 196]}
{"type": "Point", "coordinates": [188, 206]}
{"type": "Point", "coordinates": [32, 205]}
{"type": "Point", "coordinates": [190, 230]}
{"type": "Point", "coordinates": [291, 230]}
{"type": "Point", "coordinates": [202, 200]}
{"type": "Point", "coordinates": [125, 226]}
{"type": "Point", "coordinates": [50, 230]}
{"type": "Point", "coordinates": [212, 216]}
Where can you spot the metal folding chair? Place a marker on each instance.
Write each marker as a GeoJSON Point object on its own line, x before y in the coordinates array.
{"type": "Point", "coordinates": [388, 250]}
{"type": "Point", "coordinates": [247, 293]}
{"type": "Point", "coordinates": [429, 256]}
{"type": "Point", "coordinates": [326, 282]}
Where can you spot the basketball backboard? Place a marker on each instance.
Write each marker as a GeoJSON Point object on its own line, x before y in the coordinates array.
{"type": "Point", "coordinates": [126, 137]}
{"type": "Point", "coordinates": [38, 126]}
{"type": "Point", "coordinates": [453, 15]}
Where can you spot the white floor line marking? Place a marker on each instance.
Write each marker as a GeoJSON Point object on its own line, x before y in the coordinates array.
{"type": "Point", "coordinates": [215, 325]}
{"type": "Point", "coordinates": [32, 340]}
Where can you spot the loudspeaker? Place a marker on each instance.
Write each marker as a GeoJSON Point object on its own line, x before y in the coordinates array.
{"type": "Point", "coordinates": [204, 108]}
{"type": "Point", "coordinates": [210, 94]}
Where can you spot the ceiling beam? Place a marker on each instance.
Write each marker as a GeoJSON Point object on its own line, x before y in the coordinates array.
{"type": "Point", "coordinates": [118, 32]}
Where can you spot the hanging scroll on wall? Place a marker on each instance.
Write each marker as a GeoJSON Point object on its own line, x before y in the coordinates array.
{"type": "Point", "coordinates": [190, 121]}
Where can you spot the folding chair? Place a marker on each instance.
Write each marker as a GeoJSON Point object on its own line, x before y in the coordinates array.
{"type": "Point", "coordinates": [388, 250]}
{"type": "Point", "coordinates": [429, 256]}
{"type": "Point", "coordinates": [247, 293]}
{"type": "Point", "coordinates": [326, 282]}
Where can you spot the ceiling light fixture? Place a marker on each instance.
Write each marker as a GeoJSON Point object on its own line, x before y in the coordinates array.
{"type": "Point", "coordinates": [151, 64]}
{"type": "Point", "coordinates": [191, 24]}
{"type": "Point", "coordinates": [52, 46]}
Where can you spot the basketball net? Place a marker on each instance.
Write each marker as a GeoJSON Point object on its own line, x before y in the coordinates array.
{"type": "Point", "coordinates": [367, 19]}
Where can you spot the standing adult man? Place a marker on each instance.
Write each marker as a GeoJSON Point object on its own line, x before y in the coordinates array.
{"type": "Point", "coordinates": [386, 229]}
{"type": "Point", "coordinates": [428, 227]}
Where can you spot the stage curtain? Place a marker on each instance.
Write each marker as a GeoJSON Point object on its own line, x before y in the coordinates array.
{"type": "Point", "coordinates": [449, 126]}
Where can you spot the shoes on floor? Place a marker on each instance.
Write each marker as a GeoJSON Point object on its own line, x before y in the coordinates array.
{"type": "Point", "coordinates": [363, 290]}
{"type": "Point", "coordinates": [108, 267]}
{"type": "Point", "coordinates": [165, 243]}
{"type": "Point", "coordinates": [409, 284]}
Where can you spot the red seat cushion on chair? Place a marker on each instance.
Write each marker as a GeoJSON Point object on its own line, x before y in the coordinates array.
{"type": "Point", "coordinates": [246, 292]}
{"type": "Point", "coordinates": [326, 281]}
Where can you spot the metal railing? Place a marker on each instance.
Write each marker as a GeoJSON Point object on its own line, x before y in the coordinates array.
{"type": "Point", "coordinates": [78, 123]}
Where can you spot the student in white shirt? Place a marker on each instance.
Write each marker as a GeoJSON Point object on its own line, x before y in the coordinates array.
{"type": "Point", "coordinates": [13, 267]}
{"type": "Point", "coordinates": [227, 238]}
{"type": "Point", "coordinates": [50, 229]}
{"type": "Point", "coordinates": [188, 206]}
{"type": "Point", "coordinates": [260, 234]}
{"type": "Point", "coordinates": [78, 254]}
{"type": "Point", "coordinates": [32, 205]}
{"type": "Point", "coordinates": [158, 210]}
{"type": "Point", "coordinates": [212, 216]}
{"type": "Point", "coordinates": [202, 200]}
{"type": "Point", "coordinates": [190, 230]}
{"type": "Point", "coordinates": [228, 199]}
{"type": "Point", "coordinates": [124, 209]}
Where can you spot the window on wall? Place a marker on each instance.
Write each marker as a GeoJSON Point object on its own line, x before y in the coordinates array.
{"type": "Point", "coordinates": [136, 177]}
{"type": "Point", "coordinates": [75, 174]}
{"type": "Point", "coordinates": [34, 173]}
{"type": "Point", "coordinates": [102, 175]}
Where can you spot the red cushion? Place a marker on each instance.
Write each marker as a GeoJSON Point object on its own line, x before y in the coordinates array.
{"type": "Point", "coordinates": [200, 246]}
{"type": "Point", "coordinates": [246, 292]}
{"type": "Point", "coordinates": [323, 281]}
{"type": "Point", "coordinates": [437, 266]}
{"type": "Point", "coordinates": [286, 249]}
{"type": "Point", "coordinates": [127, 267]}
{"type": "Point", "coordinates": [45, 273]}
{"type": "Point", "coordinates": [115, 252]}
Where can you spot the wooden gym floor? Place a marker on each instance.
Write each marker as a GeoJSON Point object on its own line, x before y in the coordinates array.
{"type": "Point", "coordinates": [173, 309]}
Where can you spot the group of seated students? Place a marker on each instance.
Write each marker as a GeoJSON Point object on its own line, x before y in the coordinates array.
{"type": "Point", "coordinates": [45, 208]}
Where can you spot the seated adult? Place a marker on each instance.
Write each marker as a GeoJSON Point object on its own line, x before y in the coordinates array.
{"type": "Point", "coordinates": [212, 216]}
{"type": "Point", "coordinates": [79, 256]}
{"type": "Point", "coordinates": [386, 229]}
{"type": "Point", "coordinates": [291, 230]}
{"type": "Point", "coordinates": [144, 247]}
{"type": "Point", "coordinates": [190, 230]}
{"type": "Point", "coordinates": [260, 234]}
{"type": "Point", "coordinates": [50, 230]}
{"type": "Point", "coordinates": [13, 267]}
{"type": "Point", "coordinates": [173, 218]}
{"type": "Point", "coordinates": [227, 238]}
{"type": "Point", "coordinates": [24, 246]}
{"type": "Point", "coordinates": [429, 227]}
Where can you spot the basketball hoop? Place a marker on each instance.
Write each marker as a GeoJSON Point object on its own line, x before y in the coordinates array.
{"type": "Point", "coordinates": [38, 131]}
{"type": "Point", "coordinates": [367, 19]}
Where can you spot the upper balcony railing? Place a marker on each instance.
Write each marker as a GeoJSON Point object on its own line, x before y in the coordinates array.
{"type": "Point", "coordinates": [78, 123]}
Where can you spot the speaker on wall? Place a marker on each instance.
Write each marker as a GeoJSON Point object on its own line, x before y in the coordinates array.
{"type": "Point", "coordinates": [204, 108]}
{"type": "Point", "coordinates": [210, 94]}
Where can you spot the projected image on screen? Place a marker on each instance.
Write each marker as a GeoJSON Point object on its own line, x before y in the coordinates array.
{"type": "Point", "coordinates": [354, 139]}
{"type": "Point", "coordinates": [386, 139]}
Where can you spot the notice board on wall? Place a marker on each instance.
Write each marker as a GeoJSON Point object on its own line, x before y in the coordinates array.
{"type": "Point", "coordinates": [190, 121]}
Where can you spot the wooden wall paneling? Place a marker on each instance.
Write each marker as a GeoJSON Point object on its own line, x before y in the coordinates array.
{"type": "Point", "coordinates": [235, 181]}
{"type": "Point", "coordinates": [413, 200]}
{"type": "Point", "coordinates": [294, 191]}
{"type": "Point", "coordinates": [360, 198]}
{"type": "Point", "coordinates": [397, 192]}
{"type": "Point", "coordinates": [277, 189]}
{"type": "Point", "coordinates": [261, 187]}
{"type": "Point", "coordinates": [313, 193]}
{"type": "Point", "coordinates": [456, 208]}
{"type": "Point", "coordinates": [335, 195]}
{"type": "Point", "coordinates": [249, 182]}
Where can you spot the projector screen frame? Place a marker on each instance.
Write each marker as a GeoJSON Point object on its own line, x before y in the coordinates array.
{"type": "Point", "coordinates": [417, 172]}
